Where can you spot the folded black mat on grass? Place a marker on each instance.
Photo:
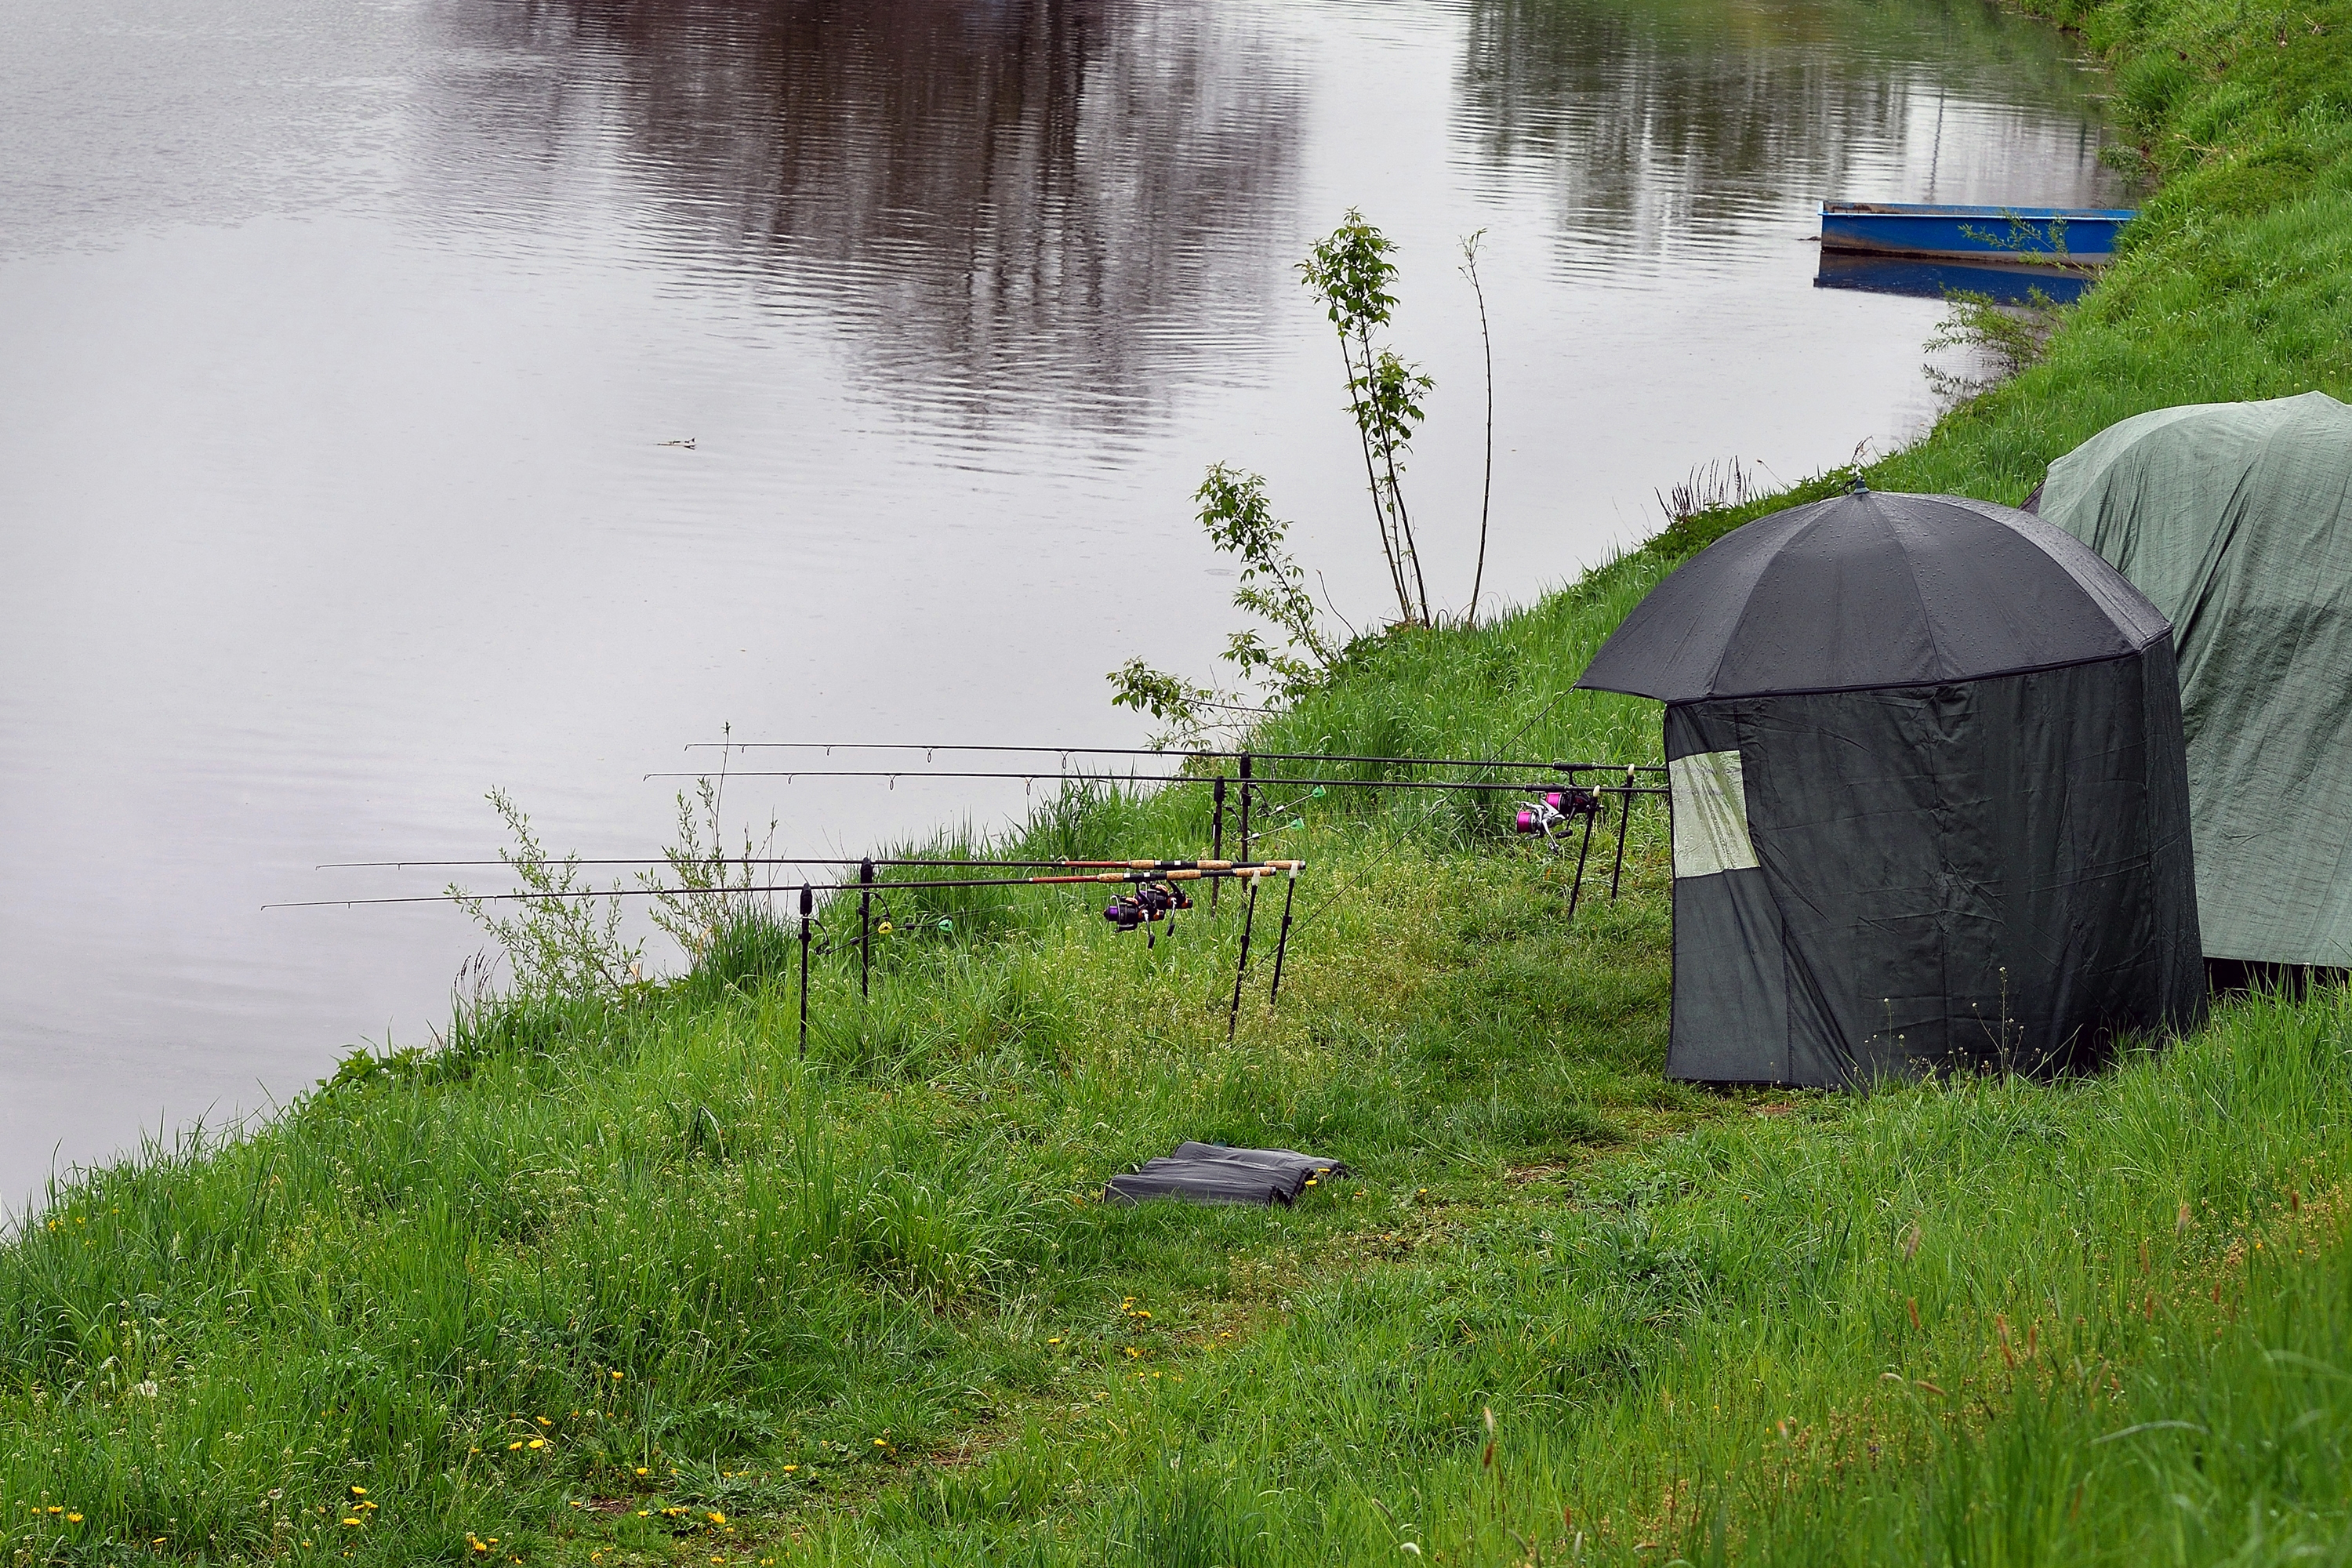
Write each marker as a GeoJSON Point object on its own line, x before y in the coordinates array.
{"type": "Point", "coordinates": [1212, 1173]}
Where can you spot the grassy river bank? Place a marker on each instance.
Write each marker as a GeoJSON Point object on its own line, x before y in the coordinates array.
{"type": "Point", "coordinates": [626, 1282]}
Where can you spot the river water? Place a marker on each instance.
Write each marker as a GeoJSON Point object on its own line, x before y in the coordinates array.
{"type": "Point", "coordinates": [347, 342]}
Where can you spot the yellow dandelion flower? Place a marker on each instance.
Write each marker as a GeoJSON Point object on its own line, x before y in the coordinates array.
{"type": "Point", "coordinates": [789, 1469]}
{"type": "Point", "coordinates": [538, 1442]}
{"type": "Point", "coordinates": [351, 1522]}
{"type": "Point", "coordinates": [1054, 1341]}
{"type": "Point", "coordinates": [512, 1446]}
{"type": "Point", "coordinates": [716, 1517]}
{"type": "Point", "coordinates": [73, 1519]}
{"type": "Point", "coordinates": [880, 1444]}
{"type": "Point", "coordinates": [617, 1377]}
{"type": "Point", "coordinates": [641, 1470]}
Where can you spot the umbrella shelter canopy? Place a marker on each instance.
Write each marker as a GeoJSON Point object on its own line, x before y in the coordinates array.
{"type": "Point", "coordinates": [1930, 802]}
{"type": "Point", "coordinates": [2235, 519]}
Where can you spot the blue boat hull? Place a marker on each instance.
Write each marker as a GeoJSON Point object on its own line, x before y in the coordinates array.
{"type": "Point", "coordinates": [2076, 236]}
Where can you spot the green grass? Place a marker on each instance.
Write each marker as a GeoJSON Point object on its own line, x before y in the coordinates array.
{"type": "Point", "coordinates": [629, 1281]}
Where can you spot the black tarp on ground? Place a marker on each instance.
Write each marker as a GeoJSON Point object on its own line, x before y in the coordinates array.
{"type": "Point", "coordinates": [1930, 795]}
{"type": "Point", "coordinates": [1214, 1173]}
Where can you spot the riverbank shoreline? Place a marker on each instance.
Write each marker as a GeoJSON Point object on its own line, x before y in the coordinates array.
{"type": "Point", "coordinates": [625, 1281]}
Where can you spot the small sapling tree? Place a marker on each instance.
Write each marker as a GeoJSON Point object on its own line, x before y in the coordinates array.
{"type": "Point", "coordinates": [1349, 272]}
{"type": "Point", "coordinates": [1239, 522]}
{"type": "Point", "coordinates": [1351, 275]}
{"type": "Point", "coordinates": [1470, 243]}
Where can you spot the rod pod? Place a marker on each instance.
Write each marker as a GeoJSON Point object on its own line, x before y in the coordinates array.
{"type": "Point", "coordinates": [1624, 815]}
{"type": "Point", "coordinates": [1246, 805]}
{"type": "Point", "coordinates": [865, 928]}
{"type": "Point", "coordinates": [1217, 832]}
{"type": "Point", "coordinates": [1577, 891]}
{"type": "Point", "coordinates": [1282, 943]}
{"type": "Point", "coordinates": [1249, 916]}
{"type": "Point", "coordinates": [808, 909]}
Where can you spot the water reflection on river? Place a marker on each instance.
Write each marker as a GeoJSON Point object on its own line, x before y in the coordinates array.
{"type": "Point", "coordinates": [344, 340]}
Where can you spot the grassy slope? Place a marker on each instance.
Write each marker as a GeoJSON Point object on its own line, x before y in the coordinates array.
{"type": "Point", "coordinates": [863, 1309]}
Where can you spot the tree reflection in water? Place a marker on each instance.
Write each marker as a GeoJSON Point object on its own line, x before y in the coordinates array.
{"type": "Point", "coordinates": [1669, 127]}
{"type": "Point", "coordinates": [1031, 201]}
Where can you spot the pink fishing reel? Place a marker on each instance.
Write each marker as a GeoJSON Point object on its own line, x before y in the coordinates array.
{"type": "Point", "coordinates": [1543, 817]}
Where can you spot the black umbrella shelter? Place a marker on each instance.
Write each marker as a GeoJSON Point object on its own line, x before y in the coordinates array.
{"type": "Point", "coordinates": [1930, 795]}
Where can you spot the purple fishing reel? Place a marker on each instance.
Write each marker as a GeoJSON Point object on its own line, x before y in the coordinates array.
{"type": "Point", "coordinates": [1151, 901]}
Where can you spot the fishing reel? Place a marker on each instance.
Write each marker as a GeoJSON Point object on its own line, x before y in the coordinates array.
{"type": "Point", "coordinates": [1556, 811]}
{"type": "Point", "coordinates": [1150, 901]}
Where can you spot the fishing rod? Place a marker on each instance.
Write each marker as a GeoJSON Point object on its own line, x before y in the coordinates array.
{"type": "Point", "coordinates": [681, 860]}
{"type": "Point", "coordinates": [1246, 761]}
{"type": "Point", "coordinates": [1250, 870]}
{"type": "Point", "coordinates": [1156, 897]}
{"type": "Point", "coordinates": [896, 774]}
{"type": "Point", "coordinates": [747, 860]}
{"type": "Point", "coordinates": [1200, 754]}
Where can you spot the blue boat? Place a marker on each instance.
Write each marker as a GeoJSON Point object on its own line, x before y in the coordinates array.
{"type": "Point", "coordinates": [2083, 236]}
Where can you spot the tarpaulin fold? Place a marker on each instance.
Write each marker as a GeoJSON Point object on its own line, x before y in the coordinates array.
{"type": "Point", "coordinates": [1214, 1173]}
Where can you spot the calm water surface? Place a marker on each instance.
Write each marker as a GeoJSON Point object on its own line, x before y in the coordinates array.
{"type": "Point", "coordinates": [344, 343]}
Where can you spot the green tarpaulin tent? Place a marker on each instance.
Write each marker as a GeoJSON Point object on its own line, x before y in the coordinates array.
{"type": "Point", "coordinates": [2235, 519]}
